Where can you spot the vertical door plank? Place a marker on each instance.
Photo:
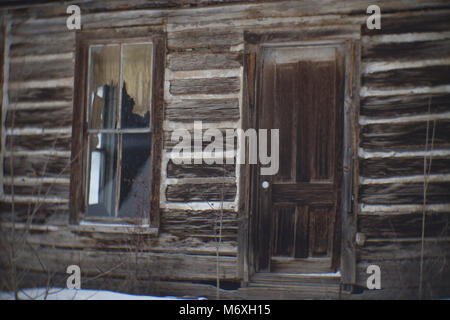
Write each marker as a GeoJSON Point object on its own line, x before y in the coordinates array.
{"type": "Point", "coordinates": [301, 232]}
{"type": "Point", "coordinates": [319, 230]}
{"type": "Point", "coordinates": [325, 104]}
{"type": "Point", "coordinates": [284, 239]}
{"type": "Point", "coordinates": [286, 97]}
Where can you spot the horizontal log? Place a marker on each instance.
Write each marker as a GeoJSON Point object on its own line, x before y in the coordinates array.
{"type": "Point", "coordinates": [201, 192]}
{"type": "Point", "coordinates": [410, 135]}
{"type": "Point", "coordinates": [394, 167]}
{"type": "Point", "coordinates": [404, 225]}
{"type": "Point", "coordinates": [57, 141]}
{"type": "Point", "coordinates": [404, 105]}
{"type": "Point", "coordinates": [203, 61]}
{"type": "Point", "coordinates": [427, 22]}
{"type": "Point", "coordinates": [48, 117]}
{"type": "Point", "coordinates": [396, 193]}
{"type": "Point", "coordinates": [206, 86]}
{"type": "Point", "coordinates": [203, 110]}
{"type": "Point", "coordinates": [169, 143]}
{"type": "Point", "coordinates": [199, 170]}
{"type": "Point", "coordinates": [404, 275]}
{"type": "Point", "coordinates": [40, 94]}
{"type": "Point", "coordinates": [148, 286]}
{"type": "Point", "coordinates": [203, 225]}
{"type": "Point", "coordinates": [38, 213]}
{"type": "Point", "coordinates": [417, 50]}
{"type": "Point", "coordinates": [28, 48]}
{"type": "Point", "coordinates": [41, 70]}
{"type": "Point", "coordinates": [145, 265]}
{"type": "Point", "coordinates": [43, 189]}
{"type": "Point", "coordinates": [218, 40]}
{"type": "Point", "coordinates": [37, 166]}
{"type": "Point", "coordinates": [410, 77]}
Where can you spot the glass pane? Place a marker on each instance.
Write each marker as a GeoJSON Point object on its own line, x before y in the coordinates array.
{"type": "Point", "coordinates": [102, 175]}
{"type": "Point", "coordinates": [135, 175]}
{"type": "Point", "coordinates": [136, 92]}
{"type": "Point", "coordinates": [103, 84]}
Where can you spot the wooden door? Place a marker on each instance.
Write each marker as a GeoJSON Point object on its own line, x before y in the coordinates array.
{"type": "Point", "coordinates": [301, 94]}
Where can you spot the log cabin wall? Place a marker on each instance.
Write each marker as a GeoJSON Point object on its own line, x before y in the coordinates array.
{"type": "Point", "coordinates": [403, 67]}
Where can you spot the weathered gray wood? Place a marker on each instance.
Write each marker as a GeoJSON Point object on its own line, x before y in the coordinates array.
{"type": "Point", "coordinates": [203, 110]}
{"type": "Point", "coordinates": [206, 86]}
{"type": "Point", "coordinates": [38, 166]}
{"type": "Point", "coordinates": [27, 48]}
{"type": "Point", "coordinates": [417, 50]}
{"type": "Point", "coordinates": [409, 135]}
{"type": "Point", "coordinates": [41, 213]}
{"type": "Point", "coordinates": [203, 61]}
{"type": "Point", "coordinates": [411, 77]}
{"type": "Point", "coordinates": [201, 192]}
{"type": "Point", "coordinates": [48, 117]}
{"type": "Point", "coordinates": [169, 143]}
{"type": "Point", "coordinates": [59, 141]}
{"type": "Point", "coordinates": [216, 40]}
{"type": "Point", "coordinates": [398, 193]}
{"type": "Point", "coordinates": [202, 225]}
{"type": "Point", "coordinates": [40, 94]}
{"type": "Point", "coordinates": [199, 170]}
{"type": "Point", "coordinates": [379, 107]}
{"type": "Point", "coordinates": [145, 264]}
{"type": "Point", "coordinates": [40, 189]}
{"type": "Point", "coordinates": [402, 271]}
{"type": "Point", "coordinates": [394, 167]}
{"type": "Point", "coordinates": [41, 70]}
{"type": "Point", "coordinates": [431, 22]}
{"type": "Point", "coordinates": [404, 225]}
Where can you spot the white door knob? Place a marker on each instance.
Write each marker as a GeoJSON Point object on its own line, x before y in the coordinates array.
{"type": "Point", "coordinates": [265, 184]}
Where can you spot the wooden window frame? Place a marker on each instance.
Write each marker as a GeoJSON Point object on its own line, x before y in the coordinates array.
{"type": "Point", "coordinates": [347, 36]}
{"type": "Point", "coordinates": [79, 152]}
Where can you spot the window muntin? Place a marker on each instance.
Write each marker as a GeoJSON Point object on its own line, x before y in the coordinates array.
{"type": "Point", "coordinates": [119, 130]}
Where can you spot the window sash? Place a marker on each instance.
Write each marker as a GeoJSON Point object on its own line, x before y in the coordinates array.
{"type": "Point", "coordinates": [118, 130]}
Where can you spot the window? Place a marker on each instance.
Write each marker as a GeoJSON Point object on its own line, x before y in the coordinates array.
{"type": "Point", "coordinates": [116, 143]}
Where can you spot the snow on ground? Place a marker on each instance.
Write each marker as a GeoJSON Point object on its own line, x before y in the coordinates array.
{"type": "Point", "coordinates": [76, 294]}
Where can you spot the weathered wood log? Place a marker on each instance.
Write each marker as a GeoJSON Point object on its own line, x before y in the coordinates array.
{"type": "Point", "coordinates": [410, 77]}
{"type": "Point", "coordinates": [385, 167]}
{"type": "Point", "coordinates": [144, 264]}
{"type": "Point", "coordinates": [219, 40]}
{"type": "Point", "coordinates": [199, 170]}
{"type": "Point", "coordinates": [431, 22]}
{"type": "Point", "coordinates": [203, 110]}
{"type": "Point", "coordinates": [169, 144]}
{"type": "Point", "coordinates": [417, 50]}
{"type": "Point", "coordinates": [201, 192]}
{"type": "Point", "coordinates": [41, 71]}
{"type": "Point", "coordinates": [409, 135]}
{"type": "Point", "coordinates": [28, 48]}
{"type": "Point", "coordinates": [206, 86]}
{"type": "Point", "coordinates": [58, 141]}
{"type": "Point", "coordinates": [204, 225]}
{"type": "Point", "coordinates": [47, 118]}
{"type": "Point", "coordinates": [378, 107]}
{"type": "Point", "coordinates": [203, 61]}
{"type": "Point", "coordinates": [41, 213]}
{"type": "Point", "coordinates": [37, 166]}
{"type": "Point", "coordinates": [397, 193]}
{"type": "Point", "coordinates": [404, 225]}
{"type": "Point", "coordinates": [40, 94]}
{"type": "Point", "coordinates": [40, 189]}
{"type": "Point", "coordinates": [400, 264]}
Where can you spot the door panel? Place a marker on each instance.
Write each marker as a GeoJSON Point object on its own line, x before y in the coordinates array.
{"type": "Point", "coordinates": [302, 96]}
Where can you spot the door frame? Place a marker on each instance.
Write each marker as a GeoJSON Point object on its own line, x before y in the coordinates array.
{"type": "Point", "coordinates": [348, 38]}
